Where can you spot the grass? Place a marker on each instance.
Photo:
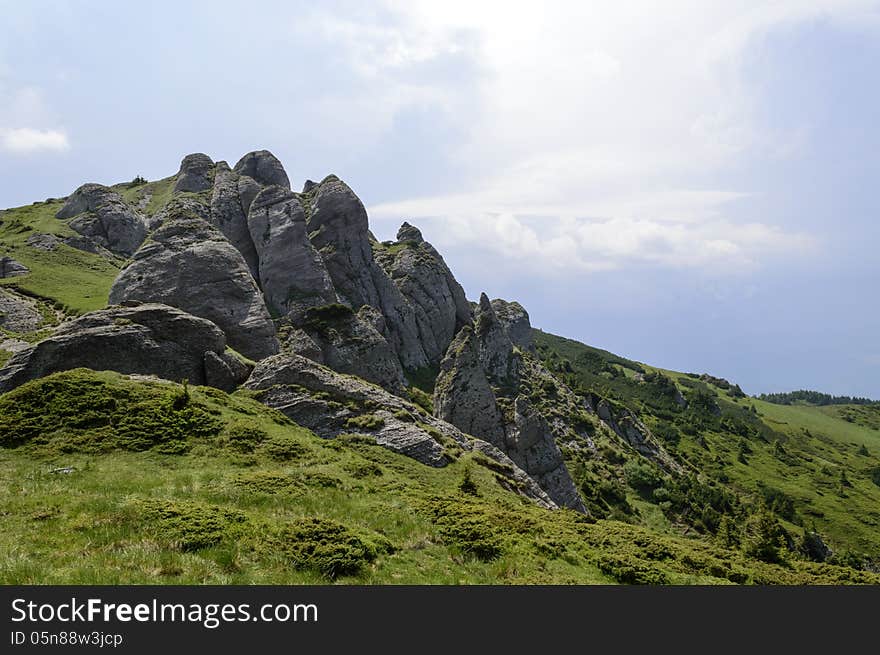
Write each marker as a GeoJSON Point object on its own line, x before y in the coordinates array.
{"type": "Point", "coordinates": [815, 464]}
{"type": "Point", "coordinates": [325, 510]}
{"type": "Point", "coordinates": [74, 280]}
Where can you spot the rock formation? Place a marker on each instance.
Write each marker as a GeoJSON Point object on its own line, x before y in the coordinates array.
{"type": "Point", "coordinates": [12, 268]}
{"type": "Point", "coordinates": [481, 389]}
{"type": "Point", "coordinates": [515, 321]}
{"type": "Point", "coordinates": [148, 339]}
{"type": "Point", "coordinates": [101, 215]}
{"type": "Point", "coordinates": [427, 284]}
{"type": "Point", "coordinates": [189, 264]}
{"type": "Point", "coordinates": [291, 272]}
{"type": "Point", "coordinates": [264, 167]}
{"type": "Point", "coordinates": [349, 342]}
{"type": "Point", "coordinates": [231, 199]}
{"type": "Point", "coordinates": [337, 226]}
{"type": "Point", "coordinates": [196, 173]}
{"type": "Point", "coordinates": [331, 403]}
{"type": "Point", "coordinates": [19, 313]}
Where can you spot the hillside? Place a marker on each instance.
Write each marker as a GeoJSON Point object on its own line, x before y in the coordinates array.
{"type": "Point", "coordinates": [277, 397]}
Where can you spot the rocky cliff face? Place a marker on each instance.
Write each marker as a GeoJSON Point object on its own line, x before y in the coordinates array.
{"type": "Point", "coordinates": [188, 264]}
{"type": "Point", "coordinates": [437, 299]}
{"type": "Point", "coordinates": [337, 224]}
{"type": "Point", "coordinates": [291, 272]}
{"type": "Point", "coordinates": [482, 389]}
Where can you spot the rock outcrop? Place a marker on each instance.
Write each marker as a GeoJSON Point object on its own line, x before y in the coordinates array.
{"type": "Point", "coordinates": [264, 167]}
{"type": "Point", "coordinates": [427, 284]}
{"type": "Point", "coordinates": [515, 320]}
{"type": "Point", "coordinates": [231, 199]}
{"type": "Point", "coordinates": [291, 272]}
{"type": "Point", "coordinates": [101, 215]}
{"type": "Point", "coordinates": [331, 403]}
{"type": "Point", "coordinates": [349, 342]}
{"type": "Point", "coordinates": [50, 242]}
{"type": "Point", "coordinates": [19, 313]}
{"type": "Point", "coordinates": [189, 264]}
{"type": "Point", "coordinates": [148, 339]}
{"type": "Point", "coordinates": [482, 389]}
{"type": "Point", "coordinates": [196, 173]}
{"type": "Point", "coordinates": [337, 226]}
{"type": "Point", "coordinates": [9, 267]}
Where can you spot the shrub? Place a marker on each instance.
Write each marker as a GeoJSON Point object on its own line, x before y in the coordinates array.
{"type": "Point", "coordinates": [764, 537]}
{"type": "Point", "coordinates": [467, 484]}
{"type": "Point", "coordinates": [242, 437]}
{"type": "Point", "coordinates": [283, 448]}
{"type": "Point", "coordinates": [365, 422]}
{"type": "Point", "coordinates": [188, 526]}
{"type": "Point", "coordinates": [629, 570]}
{"type": "Point", "coordinates": [324, 546]}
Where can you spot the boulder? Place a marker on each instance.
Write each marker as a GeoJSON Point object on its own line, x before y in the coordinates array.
{"type": "Point", "coordinates": [189, 264]}
{"type": "Point", "coordinates": [437, 299]}
{"type": "Point", "coordinates": [330, 403]}
{"type": "Point", "coordinates": [147, 339]}
{"type": "Point", "coordinates": [102, 216]}
{"type": "Point", "coordinates": [264, 167]}
{"type": "Point", "coordinates": [12, 268]}
{"type": "Point", "coordinates": [196, 173]}
{"type": "Point", "coordinates": [337, 226]}
{"type": "Point", "coordinates": [291, 272]}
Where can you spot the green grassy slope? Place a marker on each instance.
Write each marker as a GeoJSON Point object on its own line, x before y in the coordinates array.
{"type": "Point", "coordinates": [76, 281]}
{"type": "Point", "coordinates": [817, 468]}
{"type": "Point", "coordinates": [142, 482]}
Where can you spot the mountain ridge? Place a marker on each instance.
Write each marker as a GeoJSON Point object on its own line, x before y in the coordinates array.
{"type": "Point", "coordinates": [344, 334]}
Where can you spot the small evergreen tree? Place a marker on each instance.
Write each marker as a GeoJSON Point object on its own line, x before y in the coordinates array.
{"type": "Point", "coordinates": [764, 537]}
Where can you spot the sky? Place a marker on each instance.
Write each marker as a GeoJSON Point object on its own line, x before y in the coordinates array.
{"type": "Point", "coordinates": [694, 187]}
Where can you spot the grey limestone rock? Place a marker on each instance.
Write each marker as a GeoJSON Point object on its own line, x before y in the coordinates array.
{"type": "Point", "coordinates": [349, 342]}
{"type": "Point", "coordinates": [515, 320]}
{"type": "Point", "coordinates": [9, 267]}
{"type": "Point", "coordinates": [264, 167]}
{"type": "Point", "coordinates": [478, 391]}
{"type": "Point", "coordinates": [437, 299]}
{"type": "Point", "coordinates": [189, 264]}
{"type": "Point", "coordinates": [146, 339]}
{"type": "Point", "coordinates": [291, 272]}
{"type": "Point", "coordinates": [19, 313]}
{"type": "Point", "coordinates": [230, 201]}
{"type": "Point", "coordinates": [196, 173]}
{"type": "Point", "coordinates": [101, 215]}
{"type": "Point", "coordinates": [337, 226]}
{"type": "Point", "coordinates": [332, 403]}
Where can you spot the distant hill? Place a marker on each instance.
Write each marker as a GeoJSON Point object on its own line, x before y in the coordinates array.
{"type": "Point", "coordinates": [805, 397]}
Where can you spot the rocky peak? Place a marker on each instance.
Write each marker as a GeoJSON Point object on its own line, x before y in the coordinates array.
{"type": "Point", "coordinates": [291, 272]}
{"type": "Point", "coordinates": [515, 321]}
{"type": "Point", "coordinates": [309, 185]}
{"type": "Point", "coordinates": [427, 284]}
{"type": "Point", "coordinates": [338, 228]}
{"type": "Point", "coordinates": [264, 167]}
{"type": "Point", "coordinates": [409, 233]}
{"type": "Point", "coordinates": [195, 174]}
{"type": "Point", "coordinates": [496, 348]}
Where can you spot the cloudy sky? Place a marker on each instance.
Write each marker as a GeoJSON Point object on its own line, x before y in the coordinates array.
{"type": "Point", "coordinates": [694, 187]}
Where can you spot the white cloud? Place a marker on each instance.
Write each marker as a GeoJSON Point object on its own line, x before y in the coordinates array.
{"type": "Point", "coordinates": [25, 140]}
